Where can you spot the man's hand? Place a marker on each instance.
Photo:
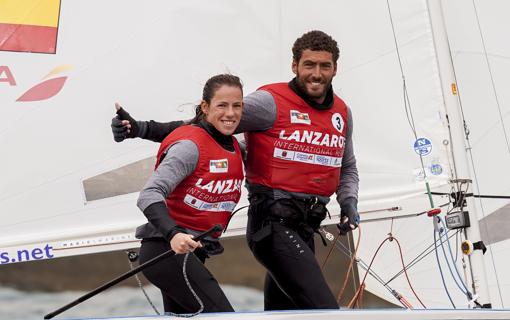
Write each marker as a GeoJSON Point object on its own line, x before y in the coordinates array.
{"type": "Point", "coordinates": [123, 125]}
{"type": "Point", "coordinates": [349, 217]}
{"type": "Point", "coordinates": [183, 243]}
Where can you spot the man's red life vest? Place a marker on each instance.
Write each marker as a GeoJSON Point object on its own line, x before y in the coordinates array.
{"type": "Point", "coordinates": [303, 151]}
{"type": "Point", "coordinates": [209, 195]}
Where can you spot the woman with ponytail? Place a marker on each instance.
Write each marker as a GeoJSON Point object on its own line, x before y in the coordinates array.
{"type": "Point", "coordinates": [196, 184]}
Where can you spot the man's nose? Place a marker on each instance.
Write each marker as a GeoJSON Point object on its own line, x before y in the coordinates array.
{"type": "Point", "coordinates": [316, 72]}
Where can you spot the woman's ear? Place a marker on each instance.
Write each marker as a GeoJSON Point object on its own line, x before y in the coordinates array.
{"type": "Point", "coordinates": [205, 107]}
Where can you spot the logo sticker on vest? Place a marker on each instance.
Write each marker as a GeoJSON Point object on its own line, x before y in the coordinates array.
{"type": "Point", "coordinates": [209, 206]}
{"type": "Point", "coordinates": [304, 157]}
{"type": "Point", "coordinates": [283, 154]}
{"type": "Point", "coordinates": [298, 117]}
{"type": "Point", "coordinates": [338, 122]}
{"type": "Point", "coordinates": [218, 166]}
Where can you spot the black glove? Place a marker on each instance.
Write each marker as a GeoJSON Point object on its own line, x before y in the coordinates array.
{"type": "Point", "coordinates": [349, 217]}
{"type": "Point", "coordinates": [121, 132]}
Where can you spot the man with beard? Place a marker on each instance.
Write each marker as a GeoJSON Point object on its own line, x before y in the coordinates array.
{"type": "Point", "coordinates": [299, 152]}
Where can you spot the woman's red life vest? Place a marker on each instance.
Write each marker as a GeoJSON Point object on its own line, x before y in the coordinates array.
{"type": "Point", "coordinates": [303, 151]}
{"type": "Point", "coordinates": [209, 195]}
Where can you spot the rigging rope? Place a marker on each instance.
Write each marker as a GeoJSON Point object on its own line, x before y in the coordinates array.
{"type": "Point", "coordinates": [493, 85]}
{"type": "Point", "coordinates": [418, 258]}
{"type": "Point", "coordinates": [133, 256]}
{"type": "Point", "coordinates": [346, 251]}
{"type": "Point", "coordinates": [389, 238]}
{"type": "Point", "coordinates": [351, 263]}
{"type": "Point", "coordinates": [192, 292]}
{"type": "Point", "coordinates": [407, 104]}
{"type": "Point", "coordinates": [462, 288]}
{"type": "Point", "coordinates": [329, 252]}
{"type": "Point", "coordinates": [441, 273]}
{"type": "Point", "coordinates": [468, 142]}
{"type": "Point", "coordinates": [231, 216]}
{"type": "Point", "coordinates": [370, 271]}
{"type": "Point", "coordinates": [467, 292]}
{"type": "Point", "coordinates": [407, 276]}
{"type": "Point", "coordinates": [482, 196]}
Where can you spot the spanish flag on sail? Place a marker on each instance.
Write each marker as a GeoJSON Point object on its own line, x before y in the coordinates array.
{"type": "Point", "coordinates": [29, 25]}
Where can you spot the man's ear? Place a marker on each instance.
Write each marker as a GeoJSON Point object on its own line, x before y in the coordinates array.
{"type": "Point", "coordinates": [294, 66]}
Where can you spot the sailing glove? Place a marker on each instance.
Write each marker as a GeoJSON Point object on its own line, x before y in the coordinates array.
{"type": "Point", "coordinates": [120, 131]}
{"type": "Point", "coordinates": [349, 217]}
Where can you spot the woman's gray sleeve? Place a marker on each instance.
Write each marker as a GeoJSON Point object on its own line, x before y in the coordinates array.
{"type": "Point", "coordinates": [180, 161]}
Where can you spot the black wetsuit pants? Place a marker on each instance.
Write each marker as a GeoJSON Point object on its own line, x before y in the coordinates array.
{"type": "Point", "coordinates": [294, 279]}
{"type": "Point", "coordinates": [168, 277]}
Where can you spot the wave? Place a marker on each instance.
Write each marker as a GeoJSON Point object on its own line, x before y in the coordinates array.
{"type": "Point", "coordinates": [122, 301]}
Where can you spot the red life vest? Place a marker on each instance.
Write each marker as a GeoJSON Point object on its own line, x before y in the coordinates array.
{"type": "Point", "coordinates": [209, 195]}
{"type": "Point", "coordinates": [303, 151]}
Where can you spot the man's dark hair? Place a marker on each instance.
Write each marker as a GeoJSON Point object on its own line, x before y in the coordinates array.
{"type": "Point", "coordinates": [316, 41]}
{"type": "Point", "coordinates": [210, 87]}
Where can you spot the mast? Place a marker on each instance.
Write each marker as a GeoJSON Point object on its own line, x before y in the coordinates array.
{"type": "Point", "coordinates": [458, 142]}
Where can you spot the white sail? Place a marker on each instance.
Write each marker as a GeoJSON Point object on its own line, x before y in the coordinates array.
{"type": "Point", "coordinates": [489, 153]}
{"type": "Point", "coordinates": [67, 188]}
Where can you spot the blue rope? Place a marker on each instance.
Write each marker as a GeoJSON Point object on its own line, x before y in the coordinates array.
{"type": "Point", "coordinates": [465, 291]}
{"type": "Point", "coordinates": [441, 272]}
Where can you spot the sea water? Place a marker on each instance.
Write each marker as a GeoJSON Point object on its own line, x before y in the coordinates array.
{"type": "Point", "coordinates": [121, 301]}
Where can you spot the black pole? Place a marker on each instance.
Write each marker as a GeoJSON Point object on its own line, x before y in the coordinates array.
{"type": "Point", "coordinates": [169, 253]}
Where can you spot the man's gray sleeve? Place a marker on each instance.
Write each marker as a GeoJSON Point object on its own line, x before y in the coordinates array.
{"type": "Point", "coordinates": [349, 180]}
{"type": "Point", "coordinates": [180, 161]}
{"type": "Point", "coordinates": [259, 112]}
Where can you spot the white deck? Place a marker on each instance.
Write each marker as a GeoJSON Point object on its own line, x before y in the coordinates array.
{"type": "Point", "coordinates": [373, 314]}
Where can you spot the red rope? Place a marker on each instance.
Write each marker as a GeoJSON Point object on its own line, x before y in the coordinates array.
{"type": "Point", "coordinates": [405, 272]}
{"type": "Point", "coordinates": [406, 303]}
{"type": "Point", "coordinates": [353, 257]}
{"type": "Point", "coordinates": [357, 294]}
{"type": "Point", "coordinates": [329, 253]}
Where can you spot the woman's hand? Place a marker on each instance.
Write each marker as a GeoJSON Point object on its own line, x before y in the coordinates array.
{"type": "Point", "coordinates": [183, 243]}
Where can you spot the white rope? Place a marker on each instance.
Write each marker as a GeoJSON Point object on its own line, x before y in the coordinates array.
{"type": "Point", "coordinates": [141, 286]}
{"type": "Point", "coordinates": [188, 315]}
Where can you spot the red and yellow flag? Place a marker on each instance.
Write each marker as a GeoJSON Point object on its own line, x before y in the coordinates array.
{"type": "Point", "coordinates": [29, 25]}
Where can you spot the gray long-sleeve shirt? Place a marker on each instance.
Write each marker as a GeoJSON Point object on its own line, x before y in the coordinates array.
{"type": "Point", "coordinates": [180, 161]}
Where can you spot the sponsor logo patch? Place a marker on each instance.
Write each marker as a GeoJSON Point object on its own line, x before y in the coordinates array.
{"type": "Point", "coordinates": [192, 201]}
{"type": "Point", "coordinates": [436, 169]}
{"type": "Point", "coordinates": [315, 159]}
{"type": "Point", "coordinates": [299, 117]}
{"type": "Point", "coordinates": [283, 154]}
{"type": "Point", "coordinates": [336, 162]}
{"type": "Point", "coordinates": [209, 206]}
{"type": "Point", "coordinates": [218, 166]}
{"type": "Point", "coordinates": [422, 146]}
{"type": "Point", "coordinates": [304, 157]}
{"type": "Point", "coordinates": [227, 206]}
{"type": "Point", "coordinates": [324, 160]}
